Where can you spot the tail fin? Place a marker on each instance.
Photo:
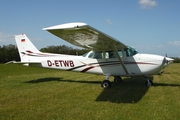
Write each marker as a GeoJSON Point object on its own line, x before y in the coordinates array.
{"type": "Point", "coordinates": [26, 48]}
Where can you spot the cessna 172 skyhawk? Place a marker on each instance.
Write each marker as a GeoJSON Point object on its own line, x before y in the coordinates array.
{"type": "Point", "coordinates": [108, 56]}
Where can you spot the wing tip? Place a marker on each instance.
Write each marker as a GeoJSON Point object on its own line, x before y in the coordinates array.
{"type": "Point", "coordinates": [66, 26]}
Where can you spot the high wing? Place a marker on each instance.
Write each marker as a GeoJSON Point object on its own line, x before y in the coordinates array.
{"type": "Point", "coordinates": [83, 35]}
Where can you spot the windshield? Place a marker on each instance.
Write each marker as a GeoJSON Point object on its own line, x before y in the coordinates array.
{"type": "Point", "coordinates": [130, 51]}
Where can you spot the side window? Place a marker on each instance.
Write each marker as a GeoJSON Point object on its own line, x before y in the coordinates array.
{"type": "Point", "coordinates": [90, 56]}
{"type": "Point", "coordinates": [96, 55]}
{"type": "Point", "coordinates": [112, 54]}
{"type": "Point", "coordinates": [84, 55]}
{"type": "Point", "coordinates": [106, 55]}
{"type": "Point", "coordinates": [120, 53]}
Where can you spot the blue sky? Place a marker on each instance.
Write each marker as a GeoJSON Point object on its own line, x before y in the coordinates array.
{"type": "Point", "coordinates": [150, 26]}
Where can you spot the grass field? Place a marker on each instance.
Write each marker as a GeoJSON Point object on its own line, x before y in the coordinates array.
{"type": "Point", "coordinates": [28, 93]}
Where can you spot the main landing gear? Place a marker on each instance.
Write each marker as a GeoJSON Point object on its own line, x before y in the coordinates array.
{"type": "Point", "coordinates": [107, 84]}
{"type": "Point", "coordinates": [117, 79]}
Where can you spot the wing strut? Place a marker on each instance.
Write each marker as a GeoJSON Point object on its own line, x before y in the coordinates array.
{"type": "Point", "coordinates": [120, 60]}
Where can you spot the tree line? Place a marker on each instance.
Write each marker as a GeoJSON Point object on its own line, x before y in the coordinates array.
{"type": "Point", "coordinates": [10, 52]}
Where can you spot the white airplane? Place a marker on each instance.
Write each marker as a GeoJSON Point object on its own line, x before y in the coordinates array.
{"type": "Point", "coordinates": [108, 56]}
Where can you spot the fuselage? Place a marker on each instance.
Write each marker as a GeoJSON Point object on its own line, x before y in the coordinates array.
{"type": "Point", "coordinates": [136, 65]}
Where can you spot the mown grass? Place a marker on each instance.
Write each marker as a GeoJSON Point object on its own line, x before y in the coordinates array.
{"type": "Point", "coordinates": [36, 93]}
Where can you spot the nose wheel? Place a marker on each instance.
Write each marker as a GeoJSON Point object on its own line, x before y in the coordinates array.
{"type": "Point", "coordinates": [149, 82]}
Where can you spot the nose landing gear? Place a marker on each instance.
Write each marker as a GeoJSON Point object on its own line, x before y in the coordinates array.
{"type": "Point", "coordinates": [149, 82]}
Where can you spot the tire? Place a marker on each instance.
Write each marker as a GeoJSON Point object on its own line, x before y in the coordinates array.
{"type": "Point", "coordinates": [117, 79]}
{"type": "Point", "coordinates": [106, 84]}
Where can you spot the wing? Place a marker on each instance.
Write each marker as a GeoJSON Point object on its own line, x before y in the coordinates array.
{"type": "Point", "coordinates": [83, 35]}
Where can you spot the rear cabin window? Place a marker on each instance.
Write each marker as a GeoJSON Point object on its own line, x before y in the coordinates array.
{"type": "Point", "coordinates": [96, 55]}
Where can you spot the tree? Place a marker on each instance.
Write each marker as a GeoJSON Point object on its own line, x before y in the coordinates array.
{"type": "Point", "coordinates": [8, 53]}
{"type": "Point", "coordinates": [176, 60]}
{"type": "Point", "coordinates": [63, 49]}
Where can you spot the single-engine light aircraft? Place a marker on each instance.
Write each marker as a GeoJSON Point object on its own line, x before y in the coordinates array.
{"type": "Point", "coordinates": [107, 55]}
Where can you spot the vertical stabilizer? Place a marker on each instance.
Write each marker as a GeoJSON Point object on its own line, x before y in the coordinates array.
{"type": "Point", "coordinates": [26, 48]}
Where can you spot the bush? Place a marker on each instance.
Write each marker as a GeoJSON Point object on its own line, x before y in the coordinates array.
{"type": "Point", "coordinates": [176, 60]}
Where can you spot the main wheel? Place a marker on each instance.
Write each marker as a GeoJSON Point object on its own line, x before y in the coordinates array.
{"type": "Point", "coordinates": [117, 79]}
{"type": "Point", "coordinates": [106, 84]}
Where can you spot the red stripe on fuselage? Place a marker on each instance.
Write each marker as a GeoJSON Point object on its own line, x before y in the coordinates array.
{"type": "Point", "coordinates": [86, 69]}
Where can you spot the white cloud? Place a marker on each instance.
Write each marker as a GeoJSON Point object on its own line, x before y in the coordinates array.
{"type": "Point", "coordinates": [109, 21]}
{"type": "Point", "coordinates": [174, 43]}
{"type": "Point", "coordinates": [147, 4]}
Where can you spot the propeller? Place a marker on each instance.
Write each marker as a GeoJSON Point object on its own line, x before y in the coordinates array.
{"type": "Point", "coordinates": [168, 60]}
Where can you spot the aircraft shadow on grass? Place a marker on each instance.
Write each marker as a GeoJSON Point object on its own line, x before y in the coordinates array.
{"type": "Point", "coordinates": [131, 90]}
{"type": "Point", "coordinates": [40, 80]}
{"type": "Point", "coordinates": [50, 79]}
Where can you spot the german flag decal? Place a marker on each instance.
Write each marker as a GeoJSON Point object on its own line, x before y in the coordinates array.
{"type": "Point", "coordinates": [22, 40]}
